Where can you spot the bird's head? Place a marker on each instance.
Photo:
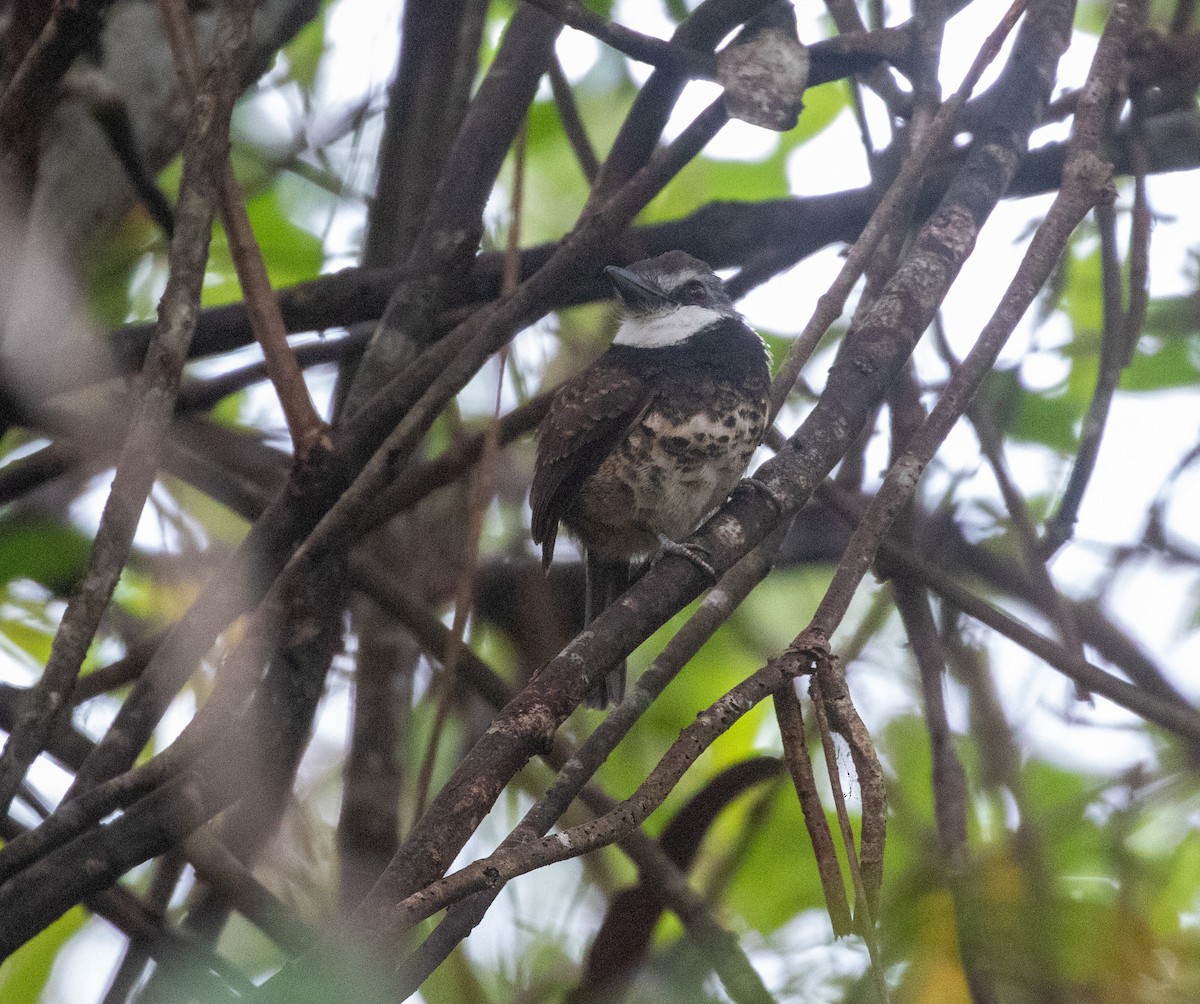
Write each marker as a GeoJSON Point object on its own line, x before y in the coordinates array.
{"type": "Point", "coordinates": [666, 300]}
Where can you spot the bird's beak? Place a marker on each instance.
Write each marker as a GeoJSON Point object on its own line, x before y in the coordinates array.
{"type": "Point", "coordinates": [635, 292]}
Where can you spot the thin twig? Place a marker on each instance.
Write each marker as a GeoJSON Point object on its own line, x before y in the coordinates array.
{"type": "Point", "coordinates": [481, 492]}
{"type": "Point", "coordinates": [634, 44]}
{"type": "Point", "coordinates": [1052, 600]}
{"type": "Point", "coordinates": [714, 610]}
{"type": "Point", "coordinates": [1122, 327]}
{"type": "Point", "coordinates": [307, 428]}
{"type": "Point", "coordinates": [790, 719]}
{"type": "Point", "coordinates": [949, 782]}
{"type": "Point", "coordinates": [503, 865]}
{"type": "Point", "coordinates": [864, 915]}
{"type": "Point", "coordinates": [1183, 720]}
{"type": "Point", "coordinates": [896, 201]}
{"type": "Point", "coordinates": [167, 873]}
{"type": "Point", "coordinates": [572, 124]}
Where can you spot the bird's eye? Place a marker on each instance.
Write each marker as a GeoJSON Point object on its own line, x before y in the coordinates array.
{"type": "Point", "coordinates": [694, 291]}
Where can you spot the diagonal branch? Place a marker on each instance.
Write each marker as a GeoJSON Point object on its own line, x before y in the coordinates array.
{"type": "Point", "coordinates": [634, 44]}
{"type": "Point", "coordinates": [716, 608]}
{"type": "Point", "coordinates": [870, 358]}
{"type": "Point", "coordinates": [307, 429]}
{"type": "Point", "coordinates": [138, 464]}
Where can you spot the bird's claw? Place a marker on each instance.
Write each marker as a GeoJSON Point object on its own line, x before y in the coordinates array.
{"type": "Point", "coordinates": [694, 553]}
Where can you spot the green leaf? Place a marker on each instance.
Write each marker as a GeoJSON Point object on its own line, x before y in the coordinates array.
{"type": "Point", "coordinates": [24, 974]}
{"type": "Point", "coordinates": [1048, 417]}
{"type": "Point", "coordinates": [707, 179]}
{"type": "Point", "coordinates": [1091, 16]}
{"type": "Point", "coordinates": [305, 51]}
{"type": "Point", "coordinates": [778, 879]}
{"type": "Point", "coordinates": [291, 253]}
{"type": "Point", "coordinates": [42, 549]}
{"type": "Point", "coordinates": [1083, 293]}
{"type": "Point", "coordinates": [822, 104]}
{"type": "Point", "coordinates": [1160, 363]}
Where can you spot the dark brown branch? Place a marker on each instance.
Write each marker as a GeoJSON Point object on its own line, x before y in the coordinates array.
{"type": "Point", "coordinates": [307, 429]}
{"type": "Point", "coordinates": [505, 864]}
{"type": "Point", "coordinates": [644, 48]}
{"type": "Point", "coordinates": [427, 99]}
{"type": "Point", "coordinates": [724, 234]}
{"type": "Point", "coordinates": [167, 872]}
{"type": "Point", "coordinates": [572, 124]}
{"type": "Point", "coordinates": [137, 467]}
{"type": "Point", "coordinates": [714, 610]}
{"type": "Point", "coordinates": [442, 253]}
{"type": "Point", "coordinates": [790, 719]}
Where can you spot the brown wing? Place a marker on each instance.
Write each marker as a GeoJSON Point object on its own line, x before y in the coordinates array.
{"type": "Point", "coordinates": [590, 414]}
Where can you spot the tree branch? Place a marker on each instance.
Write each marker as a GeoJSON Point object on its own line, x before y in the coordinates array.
{"type": "Point", "coordinates": [137, 467]}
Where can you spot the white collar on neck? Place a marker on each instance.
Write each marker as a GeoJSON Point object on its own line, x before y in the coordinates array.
{"type": "Point", "coordinates": [659, 330]}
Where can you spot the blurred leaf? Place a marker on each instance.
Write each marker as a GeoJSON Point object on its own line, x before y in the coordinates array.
{"type": "Point", "coordinates": [152, 600]}
{"type": "Point", "coordinates": [1047, 417]}
{"type": "Point", "coordinates": [1160, 363]}
{"type": "Point", "coordinates": [706, 179]}
{"type": "Point", "coordinates": [1091, 16]}
{"type": "Point", "coordinates": [1083, 294]}
{"type": "Point", "coordinates": [778, 878]}
{"type": "Point", "coordinates": [218, 522]}
{"type": "Point", "coordinates": [305, 51]}
{"type": "Point", "coordinates": [822, 104]}
{"type": "Point", "coordinates": [719, 665]}
{"type": "Point", "coordinates": [291, 253]}
{"type": "Point", "coordinates": [936, 974]}
{"type": "Point", "coordinates": [29, 643]}
{"type": "Point", "coordinates": [25, 973]}
{"type": "Point", "coordinates": [556, 188]}
{"type": "Point", "coordinates": [112, 268]}
{"type": "Point", "coordinates": [42, 549]}
{"type": "Point", "coordinates": [1105, 947]}
{"type": "Point", "coordinates": [454, 981]}
{"type": "Point", "coordinates": [1058, 799]}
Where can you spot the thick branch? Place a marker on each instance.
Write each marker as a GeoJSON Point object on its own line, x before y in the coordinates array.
{"type": "Point", "coordinates": [724, 234]}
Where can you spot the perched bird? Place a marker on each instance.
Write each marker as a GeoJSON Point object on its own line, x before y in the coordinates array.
{"type": "Point", "coordinates": [639, 447]}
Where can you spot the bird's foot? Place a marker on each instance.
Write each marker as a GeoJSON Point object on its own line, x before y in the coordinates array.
{"type": "Point", "coordinates": [694, 553]}
{"type": "Point", "coordinates": [777, 499]}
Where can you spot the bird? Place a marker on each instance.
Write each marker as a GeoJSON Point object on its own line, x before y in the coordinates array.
{"type": "Point", "coordinates": [639, 447]}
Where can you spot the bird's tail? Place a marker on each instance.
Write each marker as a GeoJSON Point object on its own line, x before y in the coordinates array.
{"type": "Point", "coordinates": [606, 580]}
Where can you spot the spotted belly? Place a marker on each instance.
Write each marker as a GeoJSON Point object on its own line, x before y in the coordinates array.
{"type": "Point", "coordinates": [665, 477]}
